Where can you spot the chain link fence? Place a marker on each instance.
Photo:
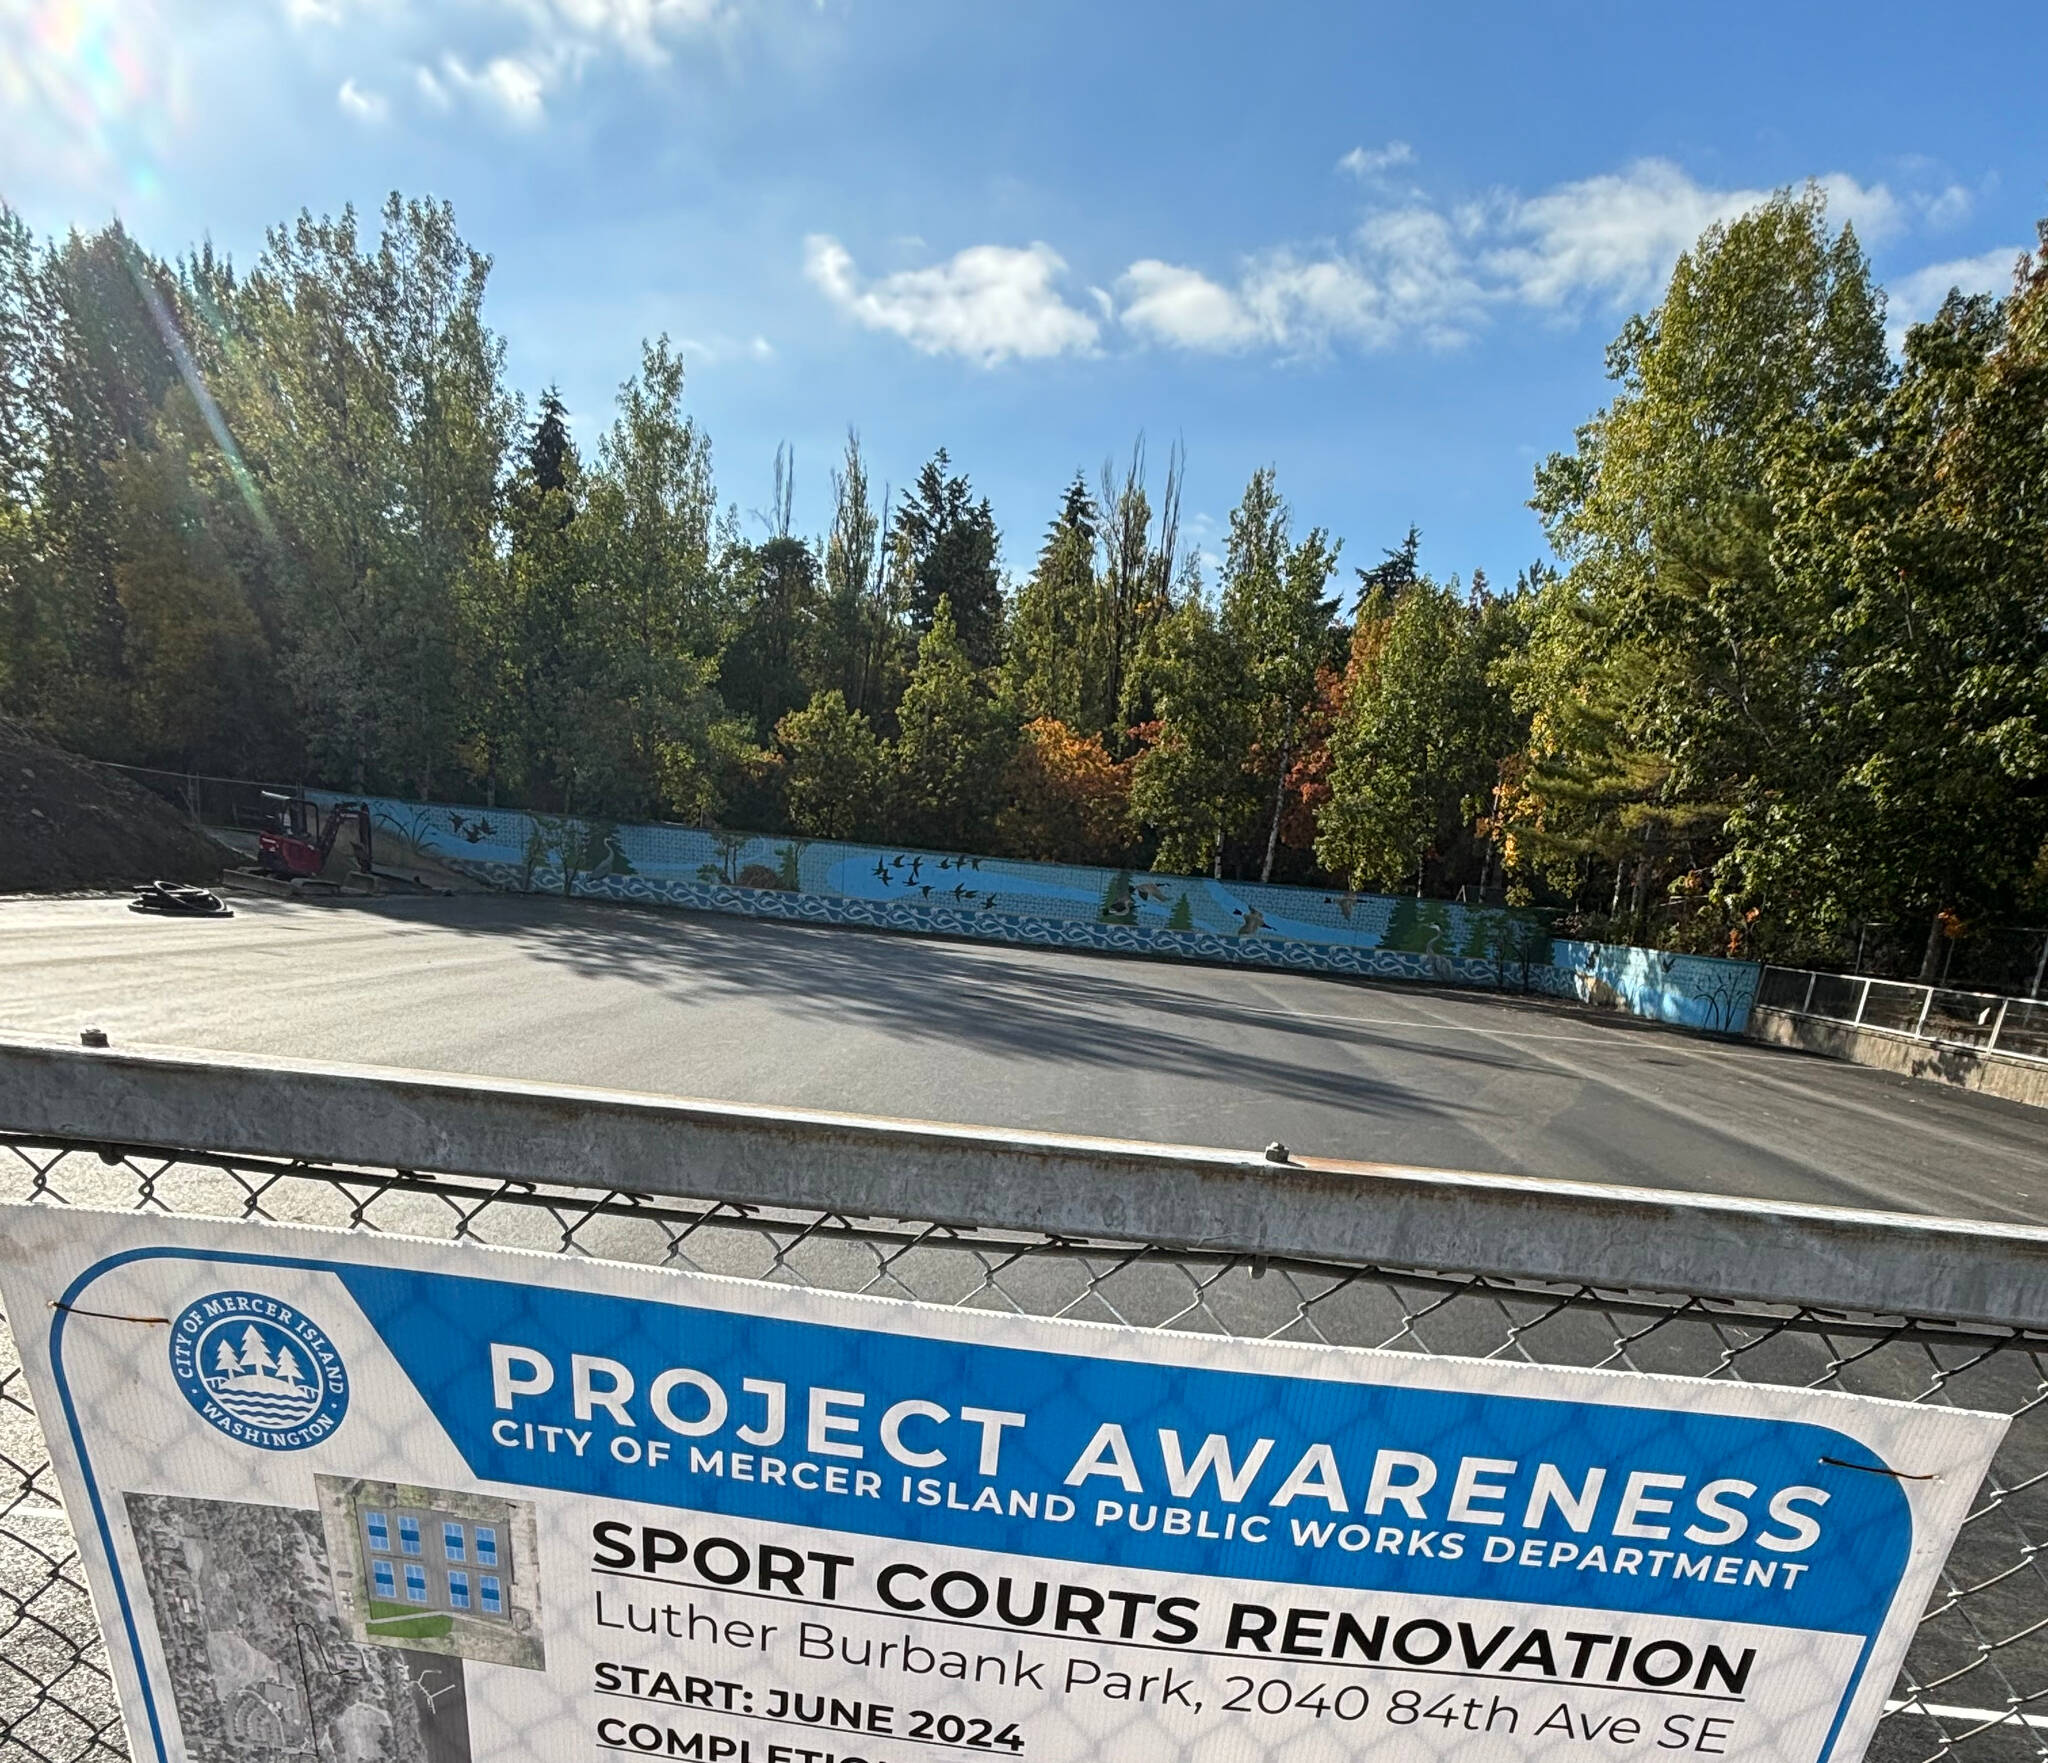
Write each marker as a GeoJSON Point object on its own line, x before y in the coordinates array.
{"type": "Point", "coordinates": [1975, 1687]}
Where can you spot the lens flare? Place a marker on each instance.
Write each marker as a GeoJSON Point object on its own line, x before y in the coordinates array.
{"type": "Point", "coordinates": [174, 339]}
{"type": "Point", "coordinates": [94, 91]}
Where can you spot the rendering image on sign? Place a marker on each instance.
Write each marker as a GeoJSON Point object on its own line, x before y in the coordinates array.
{"type": "Point", "coordinates": [384, 1499]}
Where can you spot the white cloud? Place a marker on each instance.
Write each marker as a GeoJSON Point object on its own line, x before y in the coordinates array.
{"type": "Point", "coordinates": [1371, 162]}
{"type": "Point", "coordinates": [1871, 209]}
{"type": "Point", "coordinates": [987, 303]}
{"type": "Point", "coordinates": [515, 86]}
{"type": "Point", "coordinates": [1403, 274]}
{"type": "Point", "coordinates": [716, 350]}
{"type": "Point", "coordinates": [1424, 275]}
{"type": "Point", "coordinates": [1409, 272]}
{"type": "Point", "coordinates": [1300, 305]}
{"type": "Point", "coordinates": [1919, 295]}
{"type": "Point", "coordinates": [640, 27]}
{"type": "Point", "coordinates": [513, 56]}
{"type": "Point", "coordinates": [1948, 206]}
{"type": "Point", "coordinates": [364, 106]}
{"type": "Point", "coordinates": [1172, 304]}
{"type": "Point", "coordinates": [1617, 236]}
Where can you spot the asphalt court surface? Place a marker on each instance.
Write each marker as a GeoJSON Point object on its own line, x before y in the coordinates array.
{"type": "Point", "coordinates": [746, 1010]}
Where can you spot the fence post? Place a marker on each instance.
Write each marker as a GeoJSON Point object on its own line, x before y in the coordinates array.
{"type": "Point", "coordinates": [1992, 1044]}
{"type": "Point", "coordinates": [1926, 1004]}
{"type": "Point", "coordinates": [1862, 998]}
{"type": "Point", "coordinates": [1806, 1009]}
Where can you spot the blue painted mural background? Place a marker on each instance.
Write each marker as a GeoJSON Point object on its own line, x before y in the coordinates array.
{"type": "Point", "coordinates": [1058, 905]}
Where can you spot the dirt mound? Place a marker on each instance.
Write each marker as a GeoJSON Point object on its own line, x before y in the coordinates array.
{"type": "Point", "coordinates": [66, 824]}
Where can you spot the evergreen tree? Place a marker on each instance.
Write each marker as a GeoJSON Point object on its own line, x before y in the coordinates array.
{"type": "Point", "coordinates": [255, 1355]}
{"type": "Point", "coordinates": [1417, 745]}
{"type": "Point", "coordinates": [1047, 657]}
{"type": "Point", "coordinates": [1278, 618]}
{"type": "Point", "coordinates": [946, 545]}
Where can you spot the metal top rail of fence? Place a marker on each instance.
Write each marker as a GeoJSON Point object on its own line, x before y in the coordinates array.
{"type": "Point", "coordinates": [1269, 1246]}
{"type": "Point", "coordinates": [1982, 1022]}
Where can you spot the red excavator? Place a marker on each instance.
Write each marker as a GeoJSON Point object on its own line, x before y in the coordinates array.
{"type": "Point", "coordinates": [296, 845]}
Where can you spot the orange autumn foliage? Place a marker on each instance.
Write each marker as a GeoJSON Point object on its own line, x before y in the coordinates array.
{"type": "Point", "coordinates": [1068, 799]}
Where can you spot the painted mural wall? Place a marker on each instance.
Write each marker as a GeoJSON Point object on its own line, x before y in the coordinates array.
{"type": "Point", "coordinates": [1057, 905]}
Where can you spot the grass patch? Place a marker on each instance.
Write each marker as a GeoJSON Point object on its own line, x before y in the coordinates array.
{"type": "Point", "coordinates": [396, 1622]}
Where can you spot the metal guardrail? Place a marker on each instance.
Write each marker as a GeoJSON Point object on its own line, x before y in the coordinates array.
{"type": "Point", "coordinates": [1216, 1241]}
{"type": "Point", "coordinates": [1981, 1022]}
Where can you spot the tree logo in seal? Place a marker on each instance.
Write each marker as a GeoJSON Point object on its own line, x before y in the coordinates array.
{"type": "Point", "coordinates": [259, 1370]}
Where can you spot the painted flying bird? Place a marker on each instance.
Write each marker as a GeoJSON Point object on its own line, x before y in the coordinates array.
{"type": "Point", "coordinates": [881, 874]}
{"type": "Point", "coordinates": [926, 890]}
{"type": "Point", "coordinates": [959, 888]}
{"type": "Point", "coordinates": [915, 862]}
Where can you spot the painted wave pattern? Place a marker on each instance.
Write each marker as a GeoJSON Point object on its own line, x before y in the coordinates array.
{"type": "Point", "coordinates": [1000, 927]}
{"type": "Point", "coordinates": [262, 1410]}
{"type": "Point", "coordinates": [1049, 905]}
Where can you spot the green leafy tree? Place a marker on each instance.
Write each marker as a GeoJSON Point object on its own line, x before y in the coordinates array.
{"type": "Point", "coordinates": [203, 691]}
{"type": "Point", "coordinates": [837, 770]}
{"type": "Point", "coordinates": [1761, 373]}
{"type": "Point", "coordinates": [1418, 741]}
{"type": "Point", "coordinates": [763, 669]}
{"type": "Point", "coordinates": [861, 638]}
{"type": "Point", "coordinates": [652, 733]}
{"type": "Point", "coordinates": [520, 622]}
{"type": "Point", "coordinates": [1277, 615]}
{"type": "Point", "coordinates": [1047, 655]}
{"type": "Point", "coordinates": [1190, 784]}
{"type": "Point", "coordinates": [1923, 795]}
{"type": "Point", "coordinates": [955, 744]}
{"type": "Point", "coordinates": [1133, 590]}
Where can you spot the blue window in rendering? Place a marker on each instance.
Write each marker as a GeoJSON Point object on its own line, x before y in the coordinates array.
{"type": "Point", "coordinates": [488, 1594]}
{"type": "Point", "coordinates": [408, 1534]}
{"type": "Point", "coordinates": [487, 1544]}
{"type": "Point", "coordinates": [387, 1581]}
{"type": "Point", "coordinates": [451, 1540]}
{"type": "Point", "coordinates": [379, 1529]}
{"type": "Point", "coordinates": [415, 1583]}
{"type": "Point", "coordinates": [458, 1589]}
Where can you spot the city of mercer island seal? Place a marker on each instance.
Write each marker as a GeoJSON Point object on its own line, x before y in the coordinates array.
{"type": "Point", "coordinates": [259, 1369]}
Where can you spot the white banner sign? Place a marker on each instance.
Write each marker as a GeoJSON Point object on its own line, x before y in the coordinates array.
{"type": "Point", "coordinates": [362, 1498]}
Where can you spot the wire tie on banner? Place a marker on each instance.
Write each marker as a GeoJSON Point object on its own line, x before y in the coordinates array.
{"type": "Point", "coordinates": [108, 1315]}
{"type": "Point", "coordinates": [1876, 1469]}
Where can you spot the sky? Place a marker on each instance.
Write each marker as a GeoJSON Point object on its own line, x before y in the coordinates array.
{"type": "Point", "coordinates": [1381, 249]}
